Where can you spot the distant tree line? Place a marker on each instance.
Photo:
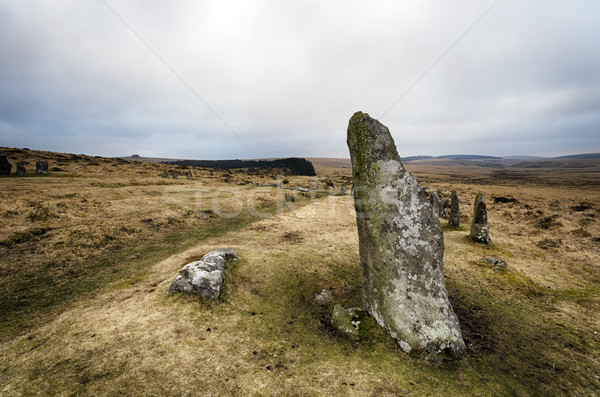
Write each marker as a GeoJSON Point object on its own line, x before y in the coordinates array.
{"type": "Point", "coordinates": [293, 165]}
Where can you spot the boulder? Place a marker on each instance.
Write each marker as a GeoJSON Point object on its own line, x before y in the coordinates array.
{"type": "Point", "coordinates": [204, 277]}
{"type": "Point", "coordinates": [41, 167]}
{"type": "Point", "coordinates": [454, 220]}
{"type": "Point", "coordinates": [401, 246]}
{"type": "Point", "coordinates": [346, 321]}
{"type": "Point", "coordinates": [21, 170]}
{"type": "Point", "coordinates": [434, 199]}
{"type": "Point", "coordinates": [5, 166]}
{"type": "Point", "coordinates": [480, 228]}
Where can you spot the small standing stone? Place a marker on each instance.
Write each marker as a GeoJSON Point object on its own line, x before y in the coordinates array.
{"type": "Point", "coordinates": [175, 174]}
{"type": "Point", "coordinates": [435, 203]}
{"type": "Point", "coordinates": [445, 208]}
{"type": "Point", "coordinates": [480, 228]}
{"type": "Point", "coordinates": [41, 167]}
{"type": "Point", "coordinates": [189, 175]}
{"type": "Point", "coordinates": [21, 168]}
{"type": "Point", "coordinates": [454, 210]}
{"type": "Point", "coordinates": [5, 166]}
{"type": "Point", "coordinates": [352, 190]}
{"type": "Point", "coordinates": [343, 190]}
{"type": "Point", "coordinates": [165, 174]}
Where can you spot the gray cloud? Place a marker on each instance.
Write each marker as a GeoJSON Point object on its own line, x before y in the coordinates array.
{"type": "Point", "coordinates": [286, 76]}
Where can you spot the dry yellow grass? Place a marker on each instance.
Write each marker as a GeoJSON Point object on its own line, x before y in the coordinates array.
{"type": "Point", "coordinates": [531, 329]}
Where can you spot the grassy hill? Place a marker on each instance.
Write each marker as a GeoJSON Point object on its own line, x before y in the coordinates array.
{"type": "Point", "coordinates": [88, 253]}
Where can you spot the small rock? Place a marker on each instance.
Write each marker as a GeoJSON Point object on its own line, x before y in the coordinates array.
{"type": "Point", "coordinates": [324, 297]}
{"type": "Point", "coordinates": [346, 321]}
{"type": "Point", "coordinates": [41, 167]}
{"type": "Point", "coordinates": [494, 262]}
{"type": "Point", "coordinates": [5, 166]}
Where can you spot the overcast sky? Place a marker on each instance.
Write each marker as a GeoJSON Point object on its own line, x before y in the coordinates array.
{"type": "Point", "coordinates": [247, 79]}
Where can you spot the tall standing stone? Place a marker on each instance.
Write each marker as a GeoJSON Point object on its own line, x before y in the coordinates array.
{"type": "Point", "coordinates": [41, 167]}
{"type": "Point", "coordinates": [401, 247]}
{"type": "Point", "coordinates": [454, 210]}
{"type": "Point", "coordinates": [480, 228]}
{"type": "Point", "coordinates": [435, 203]}
{"type": "Point", "coordinates": [5, 166]}
{"type": "Point", "coordinates": [21, 170]}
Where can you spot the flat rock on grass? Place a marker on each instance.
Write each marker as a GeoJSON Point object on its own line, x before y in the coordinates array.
{"type": "Point", "coordinates": [204, 277]}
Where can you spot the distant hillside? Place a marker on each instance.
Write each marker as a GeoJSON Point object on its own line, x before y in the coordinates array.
{"type": "Point", "coordinates": [468, 157]}
{"type": "Point", "coordinates": [522, 157]}
{"type": "Point", "coordinates": [415, 158]}
{"type": "Point", "coordinates": [581, 156]}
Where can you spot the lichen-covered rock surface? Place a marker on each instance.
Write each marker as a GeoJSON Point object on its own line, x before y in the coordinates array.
{"type": "Point", "coordinates": [480, 227]}
{"type": "Point", "coordinates": [346, 321]}
{"type": "Point", "coordinates": [204, 277]}
{"type": "Point", "coordinates": [401, 247]}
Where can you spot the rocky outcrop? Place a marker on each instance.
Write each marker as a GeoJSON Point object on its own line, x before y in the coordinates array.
{"type": "Point", "coordinates": [480, 228]}
{"type": "Point", "coordinates": [5, 166]}
{"type": "Point", "coordinates": [454, 219]}
{"type": "Point", "coordinates": [204, 277]}
{"type": "Point", "coordinates": [401, 247]}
